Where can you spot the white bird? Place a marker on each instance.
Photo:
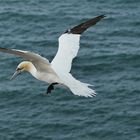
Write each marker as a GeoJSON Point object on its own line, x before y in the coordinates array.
{"type": "Point", "coordinates": [58, 71]}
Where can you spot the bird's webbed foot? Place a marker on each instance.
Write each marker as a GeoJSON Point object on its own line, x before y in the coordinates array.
{"type": "Point", "coordinates": [50, 88]}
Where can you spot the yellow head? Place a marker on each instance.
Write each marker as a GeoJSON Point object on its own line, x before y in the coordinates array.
{"type": "Point", "coordinates": [23, 66]}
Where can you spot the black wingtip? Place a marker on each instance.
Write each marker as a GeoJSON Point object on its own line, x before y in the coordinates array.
{"type": "Point", "coordinates": [79, 29]}
{"type": "Point", "coordinates": [3, 49]}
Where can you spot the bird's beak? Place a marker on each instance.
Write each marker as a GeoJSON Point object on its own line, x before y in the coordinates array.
{"type": "Point", "coordinates": [17, 72]}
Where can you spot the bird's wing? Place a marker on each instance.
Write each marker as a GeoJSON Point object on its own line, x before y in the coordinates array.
{"type": "Point", "coordinates": [69, 44]}
{"type": "Point", "coordinates": [41, 63]}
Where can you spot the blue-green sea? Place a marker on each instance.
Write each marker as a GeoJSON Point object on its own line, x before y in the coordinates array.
{"type": "Point", "coordinates": [109, 58]}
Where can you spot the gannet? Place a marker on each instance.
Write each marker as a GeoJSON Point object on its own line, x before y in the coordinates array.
{"type": "Point", "coordinates": [58, 71]}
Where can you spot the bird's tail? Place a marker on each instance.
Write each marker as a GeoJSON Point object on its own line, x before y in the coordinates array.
{"type": "Point", "coordinates": [77, 87]}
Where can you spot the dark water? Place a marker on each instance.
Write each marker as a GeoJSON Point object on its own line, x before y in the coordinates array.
{"type": "Point", "coordinates": [109, 59]}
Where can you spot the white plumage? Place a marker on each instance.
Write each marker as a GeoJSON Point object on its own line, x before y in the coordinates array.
{"type": "Point", "coordinates": [68, 49]}
{"type": "Point", "coordinates": [58, 71]}
{"type": "Point", "coordinates": [69, 45]}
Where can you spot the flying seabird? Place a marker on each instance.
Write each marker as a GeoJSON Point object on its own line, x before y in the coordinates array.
{"type": "Point", "coordinates": [58, 71]}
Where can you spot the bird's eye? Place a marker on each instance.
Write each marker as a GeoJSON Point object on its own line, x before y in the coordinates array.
{"type": "Point", "coordinates": [18, 69]}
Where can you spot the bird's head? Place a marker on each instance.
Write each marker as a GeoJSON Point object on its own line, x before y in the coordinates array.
{"type": "Point", "coordinates": [23, 66]}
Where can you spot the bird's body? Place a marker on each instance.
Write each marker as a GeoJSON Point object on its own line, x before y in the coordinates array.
{"type": "Point", "coordinates": [58, 71]}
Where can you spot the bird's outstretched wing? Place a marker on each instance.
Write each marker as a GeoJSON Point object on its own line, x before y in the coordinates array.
{"type": "Point", "coordinates": [69, 45]}
{"type": "Point", "coordinates": [41, 63]}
